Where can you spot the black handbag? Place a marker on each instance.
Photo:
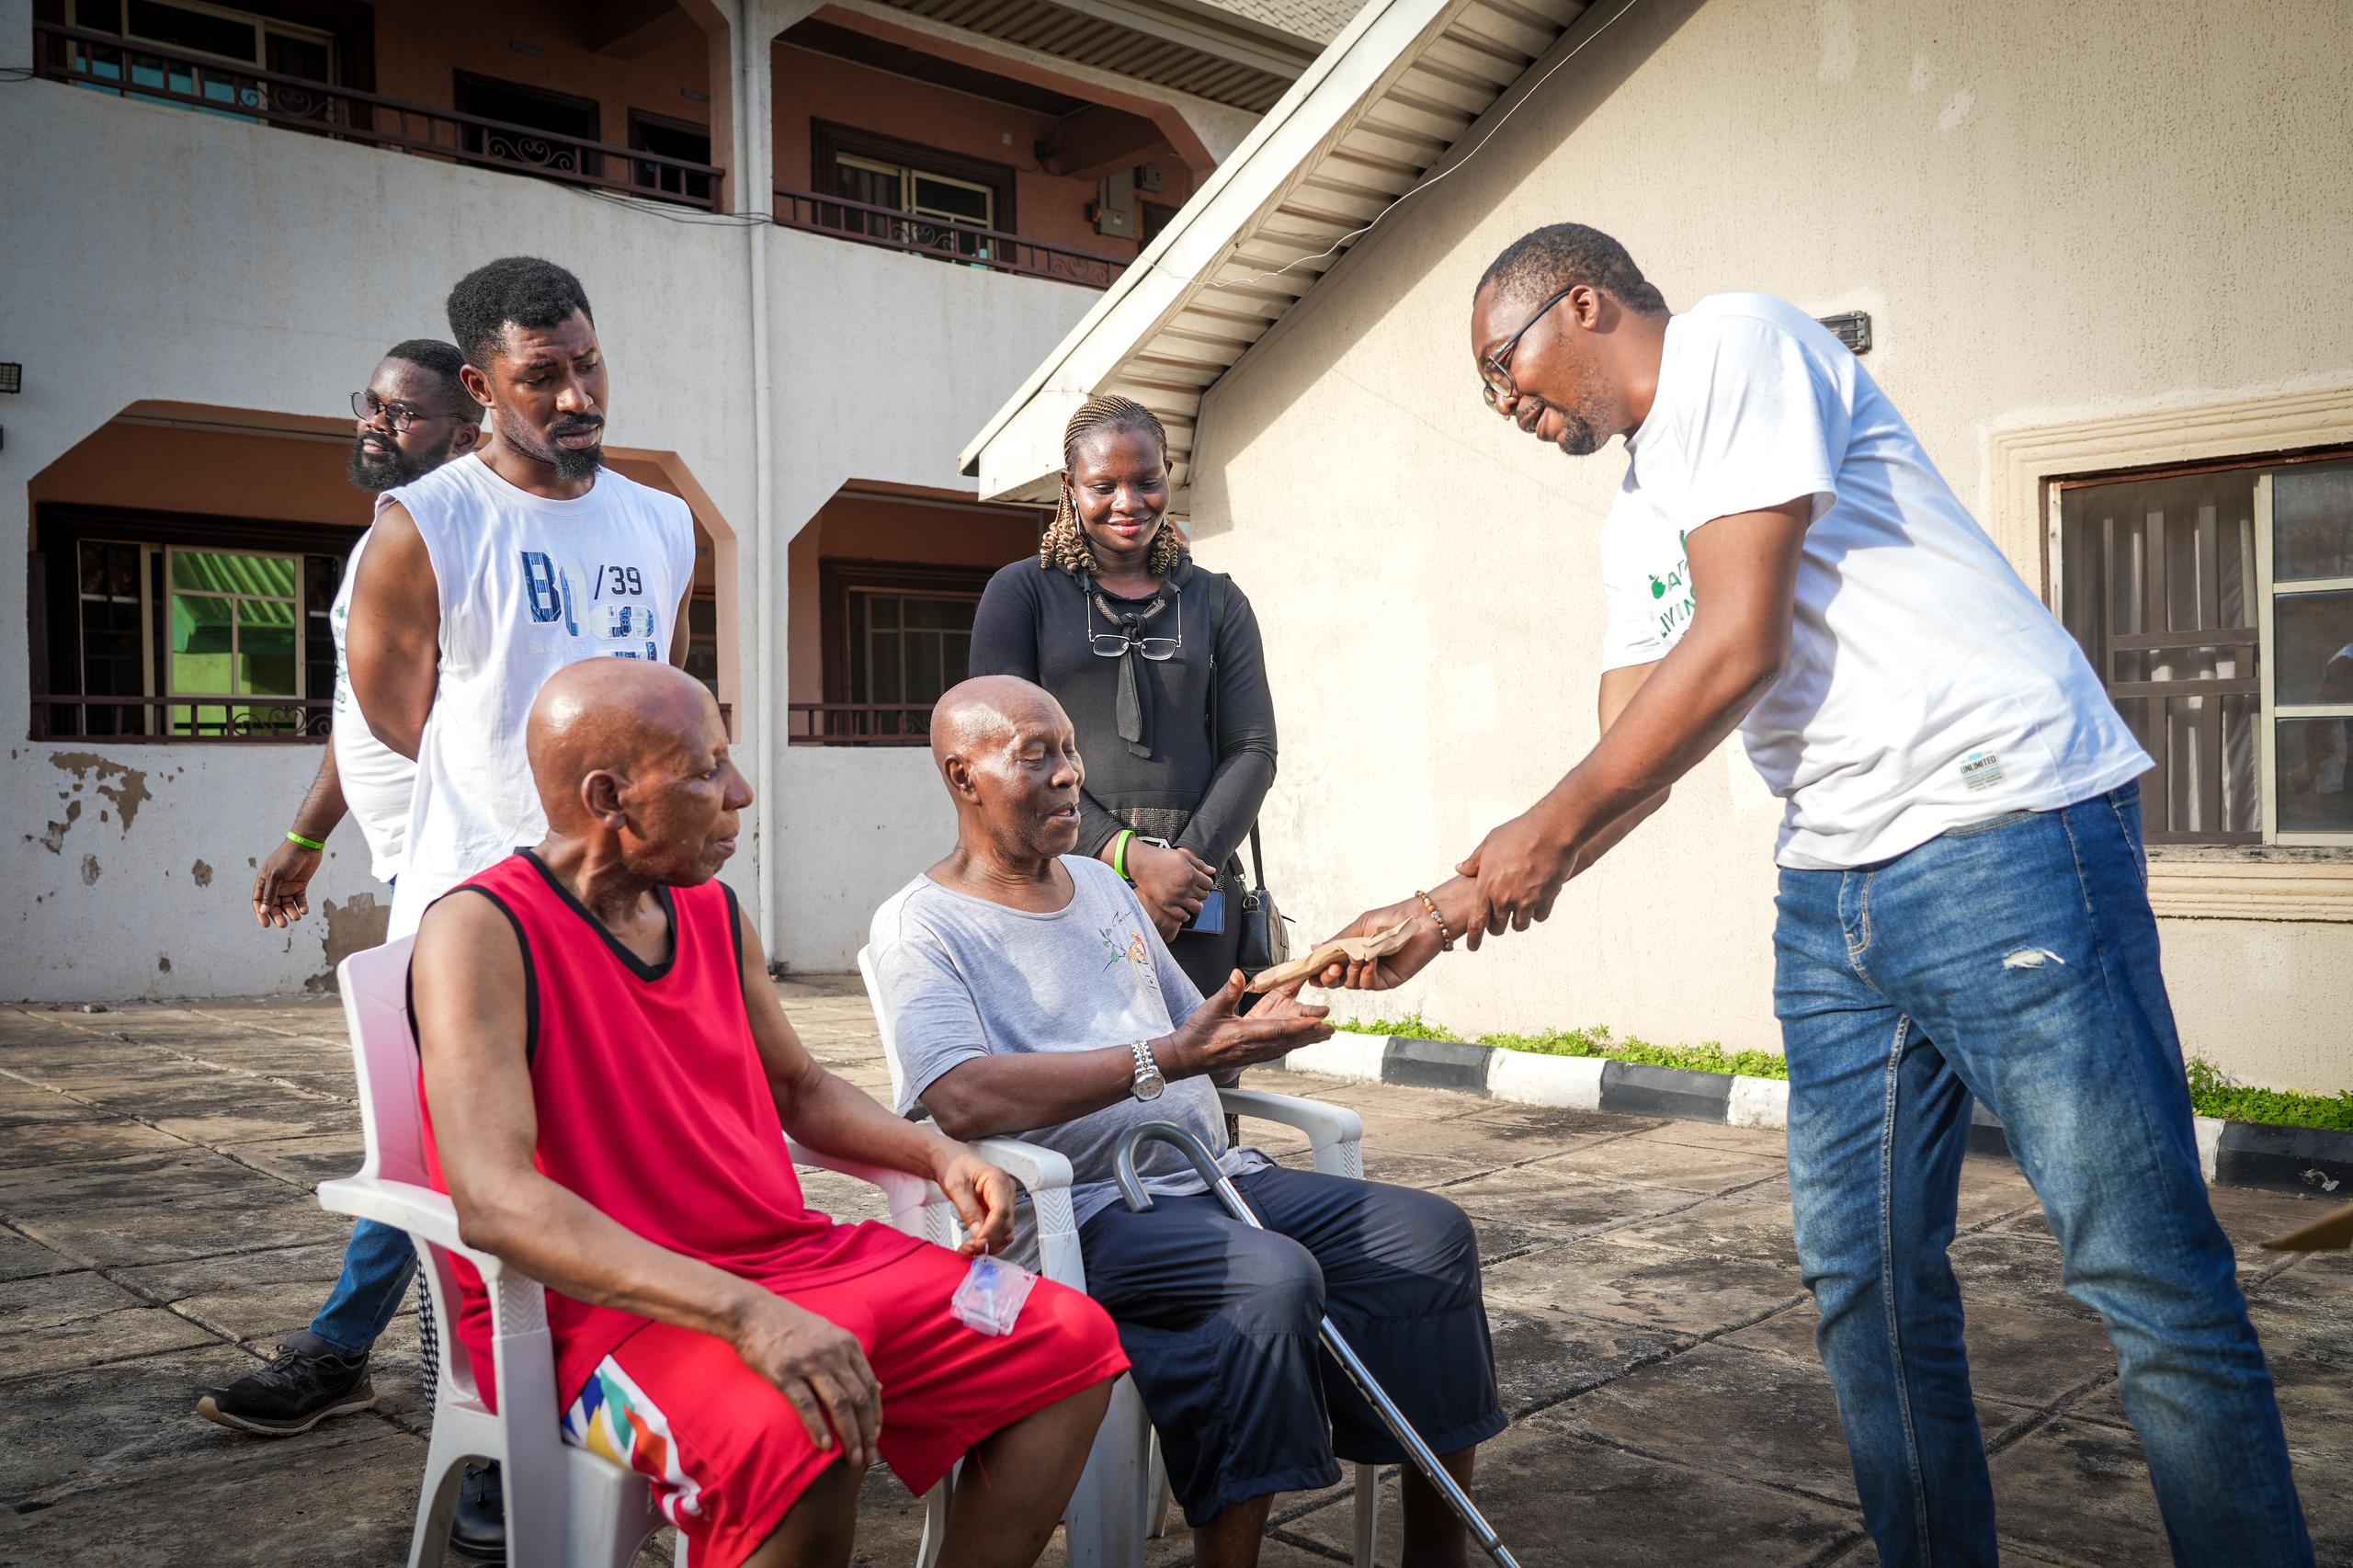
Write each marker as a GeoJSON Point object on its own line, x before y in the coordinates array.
{"type": "Point", "coordinates": [1266, 936]}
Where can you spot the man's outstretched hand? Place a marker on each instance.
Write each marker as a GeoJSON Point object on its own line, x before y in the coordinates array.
{"type": "Point", "coordinates": [1465, 919]}
{"type": "Point", "coordinates": [1520, 869]}
{"type": "Point", "coordinates": [1216, 1042]}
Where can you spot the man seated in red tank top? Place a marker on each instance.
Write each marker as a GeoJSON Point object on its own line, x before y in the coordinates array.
{"type": "Point", "coordinates": [608, 1077]}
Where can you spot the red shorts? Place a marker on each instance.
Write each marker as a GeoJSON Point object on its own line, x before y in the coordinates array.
{"type": "Point", "coordinates": [729, 1456]}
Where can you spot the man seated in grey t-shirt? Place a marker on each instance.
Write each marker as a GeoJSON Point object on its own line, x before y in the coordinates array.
{"type": "Point", "coordinates": [1031, 996]}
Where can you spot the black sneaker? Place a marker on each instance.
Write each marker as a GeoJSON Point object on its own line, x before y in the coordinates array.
{"type": "Point", "coordinates": [293, 1393]}
{"type": "Point", "coordinates": [478, 1533]}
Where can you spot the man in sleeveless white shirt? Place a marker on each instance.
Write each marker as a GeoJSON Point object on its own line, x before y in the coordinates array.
{"type": "Point", "coordinates": [488, 575]}
{"type": "Point", "coordinates": [414, 417]}
{"type": "Point", "coordinates": [1962, 912]}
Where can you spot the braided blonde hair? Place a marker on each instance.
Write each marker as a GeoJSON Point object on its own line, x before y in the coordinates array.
{"type": "Point", "coordinates": [1065, 544]}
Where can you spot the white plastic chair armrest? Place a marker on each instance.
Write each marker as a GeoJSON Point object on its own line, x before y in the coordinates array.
{"type": "Point", "coordinates": [1045, 1175]}
{"type": "Point", "coordinates": [1037, 1169]}
{"type": "Point", "coordinates": [419, 1211]}
{"type": "Point", "coordinates": [1336, 1132]}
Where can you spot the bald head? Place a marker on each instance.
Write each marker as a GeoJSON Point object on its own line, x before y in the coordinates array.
{"type": "Point", "coordinates": [630, 758]}
{"type": "Point", "coordinates": [988, 711]}
{"type": "Point", "coordinates": [1007, 753]}
{"type": "Point", "coordinates": [611, 714]}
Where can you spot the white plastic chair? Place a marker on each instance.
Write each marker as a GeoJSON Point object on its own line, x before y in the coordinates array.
{"type": "Point", "coordinates": [566, 1507]}
{"type": "Point", "coordinates": [1122, 1497]}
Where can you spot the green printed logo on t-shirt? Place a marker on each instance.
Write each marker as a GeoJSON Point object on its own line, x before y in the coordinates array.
{"type": "Point", "coordinates": [1673, 591]}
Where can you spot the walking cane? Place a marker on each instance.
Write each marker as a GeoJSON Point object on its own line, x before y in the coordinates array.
{"type": "Point", "coordinates": [1184, 1143]}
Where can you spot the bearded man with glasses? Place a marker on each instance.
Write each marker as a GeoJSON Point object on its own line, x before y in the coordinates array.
{"type": "Point", "coordinates": [413, 417]}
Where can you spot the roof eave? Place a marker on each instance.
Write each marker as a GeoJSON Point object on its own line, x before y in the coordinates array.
{"type": "Point", "coordinates": [1169, 271]}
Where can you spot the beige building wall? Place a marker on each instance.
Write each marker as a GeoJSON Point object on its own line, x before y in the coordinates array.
{"type": "Point", "coordinates": [234, 278]}
{"type": "Point", "coordinates": [2053, 214]}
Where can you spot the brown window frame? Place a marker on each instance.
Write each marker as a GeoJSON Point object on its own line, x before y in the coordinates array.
{"type": "Point", "coordinates": [461, 80]}
{"type": "Point", "coordinates": [828, 139]}
{"type": "Point", "coordinates": [352, 24]}
{"type": "Point", "coordinates": [54, 600]}
{"type": "Point", "coordinates": [838, 578]}
{"type": "Point", "coordinates": [638, 120]}
{"type": "Point", "coordinates": [2072, 596]}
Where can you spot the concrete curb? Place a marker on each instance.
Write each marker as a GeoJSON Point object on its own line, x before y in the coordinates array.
{"type": "Point", "coordinates": [2232, 1154]}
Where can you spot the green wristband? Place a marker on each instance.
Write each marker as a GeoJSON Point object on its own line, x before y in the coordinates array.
{"type": "Point", "coordinates": [313, 844]}
{"type": "Point", "coordinates": [1120, 854]}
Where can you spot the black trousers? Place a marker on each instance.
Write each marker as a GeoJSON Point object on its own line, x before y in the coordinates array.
{"type": "Point", "coordinates": [1219, 1322]}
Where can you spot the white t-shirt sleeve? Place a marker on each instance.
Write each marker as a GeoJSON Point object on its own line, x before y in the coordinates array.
{"type": "Point", "coordinates": [1630, 633]}
{"type": "Point", "coordinates": [1760, 422]}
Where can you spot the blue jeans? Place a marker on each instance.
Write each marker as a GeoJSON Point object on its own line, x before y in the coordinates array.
{"type": "Point", "coordinates": [2014, 962]}
{"type": "Point", "coordinates": [377, 1264]}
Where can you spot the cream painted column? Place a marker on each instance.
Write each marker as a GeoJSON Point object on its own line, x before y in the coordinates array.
{"type": "Point", "coordinates": [767, 582]}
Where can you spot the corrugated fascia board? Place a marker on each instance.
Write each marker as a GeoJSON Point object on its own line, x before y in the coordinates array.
{"type": "Point", "coordinates": [1380, 43]}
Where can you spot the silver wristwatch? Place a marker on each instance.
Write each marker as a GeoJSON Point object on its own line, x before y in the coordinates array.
{"type": "Point", "coordinates": [1148, 1082]}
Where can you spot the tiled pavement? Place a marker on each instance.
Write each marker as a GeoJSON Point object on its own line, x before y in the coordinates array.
{"type": "Point", "coordinates": [1650, 1329]}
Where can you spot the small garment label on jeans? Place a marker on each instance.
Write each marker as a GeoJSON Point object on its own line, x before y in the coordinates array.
{"type": "Point", "coordinates": [1981, 771]}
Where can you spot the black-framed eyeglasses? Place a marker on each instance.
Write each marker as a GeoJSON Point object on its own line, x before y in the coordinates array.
{"type": "Point", "coordinates": [1495, 366]}
{"type": "Point", "coordinates": [370, 408]}
{"type": "Point", "coordinates": [1112, 644]}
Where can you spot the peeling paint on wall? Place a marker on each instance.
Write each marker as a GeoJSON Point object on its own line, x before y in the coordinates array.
{"type": "Point", "coordinates": [202, 873]}
{"type": "Point", "coordinates": [54, 839]}
{"type": "Point", "coordinates": [126, 788]}
{"type": "Point", "coordinates": [164, 966]}
{"type": "Point", "coordinates": [360, 924]}
{"type": "Point", "coordinates": [90, 870]}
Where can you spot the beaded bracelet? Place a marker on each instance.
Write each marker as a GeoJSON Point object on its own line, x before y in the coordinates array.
{"type": "Point", "coordinates": [1445, 937]}
{"type": "Point", "coordinates": [313, 844]}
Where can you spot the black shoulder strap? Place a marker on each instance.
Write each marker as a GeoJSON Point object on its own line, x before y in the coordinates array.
{"type": "Point", "coordinates": [1215, 593]}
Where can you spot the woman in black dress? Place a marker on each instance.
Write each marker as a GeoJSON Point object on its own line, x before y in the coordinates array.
{"type": "Point", "coordinates": [1159, 665]}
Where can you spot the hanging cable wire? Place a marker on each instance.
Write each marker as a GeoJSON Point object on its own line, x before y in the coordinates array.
{"type": "Point", "coordinates": [671, 212]}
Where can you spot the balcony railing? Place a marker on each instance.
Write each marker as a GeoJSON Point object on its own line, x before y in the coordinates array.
{"type": "Point", "coordinates": [108, 62]}
{"type": "Point", "coordinates": [59, 716]}
{"type": "Point", "coordinates": [964, 243]}
{"type": "Point", "coordinates": [859, 723]}
{"type": "Point", "coordinates": [135, 69]}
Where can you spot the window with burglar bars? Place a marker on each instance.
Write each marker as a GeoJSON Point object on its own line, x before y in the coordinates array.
{"type": "Point", "coordinates": [2217, 606]}
{"type": "Point", "coordinates": [912, 647]}
{"type": "Point", "coordinates": [157, 627]}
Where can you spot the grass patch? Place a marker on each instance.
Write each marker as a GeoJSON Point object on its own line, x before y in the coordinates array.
{"type": "Point", "coordinates": [1706, 1057]}
{"type": "Point", "coordinates": [2211, 1091]}
{"type": "Point", "coordinates": [1413, 1026]}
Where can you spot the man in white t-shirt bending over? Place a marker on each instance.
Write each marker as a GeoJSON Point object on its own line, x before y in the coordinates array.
{"type": "Point", "coordinates": [491, 573]}
{"type": "Point", "coordinates": [1962, 912]}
